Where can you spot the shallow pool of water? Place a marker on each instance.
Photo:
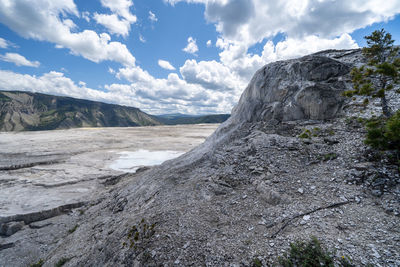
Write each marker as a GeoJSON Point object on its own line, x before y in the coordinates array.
{"type": "Point", "coordinates": [130, 161]}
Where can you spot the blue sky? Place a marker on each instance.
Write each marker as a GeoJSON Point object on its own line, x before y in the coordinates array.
{"type": "Point", "coordinates": [167, 56]}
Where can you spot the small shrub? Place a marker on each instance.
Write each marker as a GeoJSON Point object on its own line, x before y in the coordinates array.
{"type": "Point", "coordinates": [140, 233]}
{"type": "Point", "coordinates": [257, 262]}
{"type": "Point", "coordinates": [304, 254]}
{"type": "Point", "coordinates": [312, 254]}
{"type": "Point", "coordinates": [384, 134]}
{"type": "Point", "coordinates": [345, 261]}
{"type": "Point", "coordinates": [305, 134]}
{"type": "Point", "coordinates": [73, 229]}
{"type": "Point", "coordinates": [38, 264]}
{"type": "Point", "coordinates": [61, 262]}
{"type": "Point", "coordinates": [329, 156]}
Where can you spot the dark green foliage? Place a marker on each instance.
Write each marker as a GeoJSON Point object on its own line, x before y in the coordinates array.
{"type": "Point", "coordinates": [38, 264]}
{"type": "Point", "coordinates": [73, 229]}
{"type": "Point", "coordinates": [138, 234]}
{"type": "Point", "coordinates": [307, 254]}
{"type": "Point", "coordinates": [382, 65]}
{"type": "Point", "coordinates": [305, 134]}
{"type": "Point", "coordinates": [345, 261]}
{"type": "Point", "coordinates": [315, 132]}
{"type": "Point", "coordinates": [329, 156]}
{"type": "Point", "coordinates": [384, 134]}
{"type": "Point", "coordinates": [61, 262]}
{"type": "Point", "coordinates": [257, 262]}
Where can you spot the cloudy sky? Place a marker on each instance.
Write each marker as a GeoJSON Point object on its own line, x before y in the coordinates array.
{"type": "Point", "coordinates": [167, 56]}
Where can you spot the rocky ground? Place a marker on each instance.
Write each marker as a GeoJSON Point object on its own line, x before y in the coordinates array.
{"type": "Point", "coordinates": [290, 163]}
{"type": "Point", "coordinates": [49, 173]}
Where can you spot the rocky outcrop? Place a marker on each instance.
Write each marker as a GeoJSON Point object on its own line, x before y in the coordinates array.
{"type": "Point", "coordinates": [305, 88]}
{"type": "Point", "coordinates": [254, 186]}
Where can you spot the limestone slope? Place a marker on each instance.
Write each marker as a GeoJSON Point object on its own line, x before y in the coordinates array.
{"type": "Point", "coordinates": [254, 186]}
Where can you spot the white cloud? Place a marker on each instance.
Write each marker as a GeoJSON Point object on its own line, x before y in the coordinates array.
{"type": "Point", "coordinates": [209, 43]}
{"type": "Point", "coordinates": [120, 21]}
{"type": "Point", "coordinates": [152, 17]}
{"type": "Point", "coordinates": [3, 43]}
{"type": "Point", "coordinates": [170, 95]}
{"type": "Point", "coordinates": [113, 23]}
{"type": "Point", "coordinates": [141, 38]}
{"type": "Point", "coordinates": [251, 21]}
{"type": "Point", "coordinates": [121, 8]}
{"type": "Point", "coordinates": [111, 70]}
{"type": "Point", "coordinates": [19, 60]}
{"type": "Point", "coordinates": [86, 16]}
{"type": "Point", "coordinates": [165, 65]}
{"type": "Point", "coordinates": [43, 20]}
{"type": "Point", "coordinates": [211, 75]}
{"type": "Point", "coordinates": [191, 47]}
{"type": "Point", "coordinates": [50, 83]}
{"type": "Point", "coordinates": [147, 93]}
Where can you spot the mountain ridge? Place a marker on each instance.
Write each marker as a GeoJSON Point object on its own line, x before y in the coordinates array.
{"type": "Point", "coordinates": [20, 110]}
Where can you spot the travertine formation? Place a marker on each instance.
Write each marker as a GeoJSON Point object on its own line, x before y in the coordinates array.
{"type": "Point", "coordinates": [252, 188]}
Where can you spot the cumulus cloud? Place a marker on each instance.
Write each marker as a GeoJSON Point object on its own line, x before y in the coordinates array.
{"type": "Point", "coordinates": [113, 23]}
{"type": "Point", "coordinates": [209, 44]}
{"type": "Point", "coordinates": [152, 95]}
{"type": "Point", "coordinates": [121, 8]}
{"type": "Point", "coordinates": [235, 56]}
{"type": "Point", "coordinates": [165, 65]}
{"type": "Point", "coordinates": [171, 94]}
{"type": "Point", "coordinates": [152, 17]}
{"type": "Point", "coordinates": [191, 47]}
{"type": "Point", "coordinates": [211, 75]}
{"type": "Point", "coordinates": [50, 83]}
{"type": "Point", "coordinates": [44, 20]}
{"type": "Point", "coordinates": [120, 21]}
{"type": "Point", "coordinates": [251, 21]}
{"type": "Point", "coordinates": [19, 60]}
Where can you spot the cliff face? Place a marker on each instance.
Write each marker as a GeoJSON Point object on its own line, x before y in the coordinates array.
{"type": "Point", "coordinates": [253, 187]}
{"type": "Point", "coordinates": [33, 111]}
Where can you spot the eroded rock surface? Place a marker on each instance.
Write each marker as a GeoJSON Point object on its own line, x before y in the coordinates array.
{"type": "Point", "coordinates": [254, 186]}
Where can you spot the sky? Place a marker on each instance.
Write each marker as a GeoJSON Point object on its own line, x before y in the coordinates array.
{"type": "Point", "coordinates": [171, 56]}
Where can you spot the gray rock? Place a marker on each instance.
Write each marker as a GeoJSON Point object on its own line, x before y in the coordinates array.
{"type": "Point", "coordinates": [8, 229]}
{"type": "Point", "coordinates": [268, 194]}
{"type": "Point", "coordinates": [305, 88]}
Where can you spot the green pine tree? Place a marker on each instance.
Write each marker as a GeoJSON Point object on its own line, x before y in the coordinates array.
{"type": "Point", "coordinates": [382, 71]}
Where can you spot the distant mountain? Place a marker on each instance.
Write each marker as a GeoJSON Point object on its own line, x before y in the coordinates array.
{"type": "Point", "coordinates": [33, 111]}
{"type": "Point", "coordinates": [177, 118]}
{"type": "Point", "coordinates": [26, 111]}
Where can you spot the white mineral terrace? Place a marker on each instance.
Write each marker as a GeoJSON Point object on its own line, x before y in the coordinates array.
{"type": "Point", "coordinates": [47, 169]}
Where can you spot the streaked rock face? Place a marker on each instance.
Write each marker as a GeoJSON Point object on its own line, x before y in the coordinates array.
{"type": "Point", "coordinates": [305, 88]}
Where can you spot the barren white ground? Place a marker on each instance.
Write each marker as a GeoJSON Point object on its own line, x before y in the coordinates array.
{"type": "Point", "coordinates": [47, 169]}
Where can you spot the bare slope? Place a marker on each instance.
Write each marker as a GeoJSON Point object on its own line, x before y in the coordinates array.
{"type": "Point", "coordinates": [34, 111]}
{"type": "Point", "coordinates": [254, 185]}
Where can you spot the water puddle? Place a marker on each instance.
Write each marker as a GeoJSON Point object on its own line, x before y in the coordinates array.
{"type": "Point", "coordinates": [131, 161]}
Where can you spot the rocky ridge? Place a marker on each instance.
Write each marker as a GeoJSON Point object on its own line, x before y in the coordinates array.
{"type": "Point", "coordinates": [252, 188]}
